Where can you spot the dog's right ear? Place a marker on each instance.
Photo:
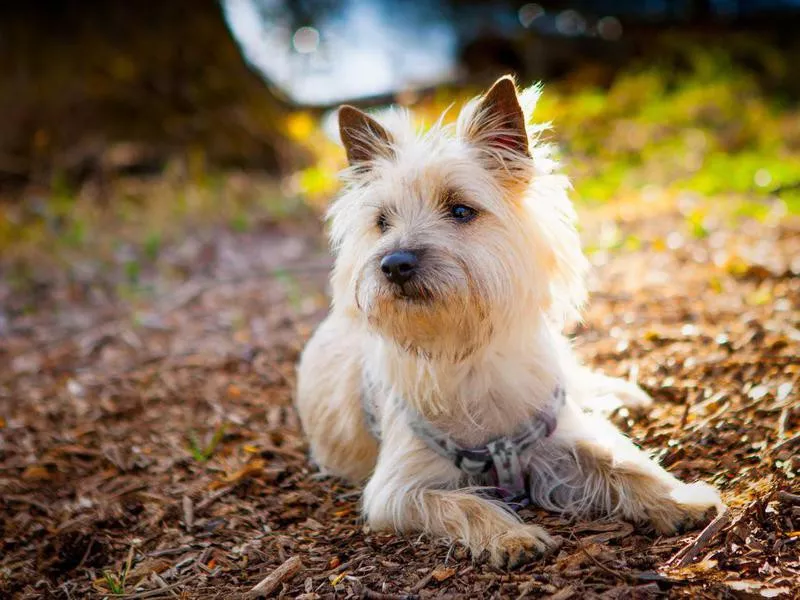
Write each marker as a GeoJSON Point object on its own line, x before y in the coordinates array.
{"type": "Point", "coordinates": [363, 137]}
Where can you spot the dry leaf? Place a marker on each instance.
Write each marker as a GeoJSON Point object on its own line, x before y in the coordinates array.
{"type": "Point", "coordinates": [442, 573]}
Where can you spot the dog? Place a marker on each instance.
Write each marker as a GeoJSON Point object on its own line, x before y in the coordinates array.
{"type": "Point", "coordinates": [441, 376]}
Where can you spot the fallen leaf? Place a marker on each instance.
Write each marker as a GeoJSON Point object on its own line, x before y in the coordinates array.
{"type": "Point", "coordinates": [37, 473]}
{"type": "Point", "coordinates": [443, 573]}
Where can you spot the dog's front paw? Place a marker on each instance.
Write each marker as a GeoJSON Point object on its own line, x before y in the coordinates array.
{"type": "Point", "coordinates": [686, 506]}
{"type": "Point", "coordinates": [519, 546]}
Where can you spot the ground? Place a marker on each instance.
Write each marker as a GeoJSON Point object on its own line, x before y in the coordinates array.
{"type": "Point", "coordinates": [149, 449]}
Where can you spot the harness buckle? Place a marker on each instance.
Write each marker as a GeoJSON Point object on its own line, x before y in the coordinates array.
{"type": "Point", "coordinates": [473, 462]}
{"type": "Point", "coordinates": [507, 467]}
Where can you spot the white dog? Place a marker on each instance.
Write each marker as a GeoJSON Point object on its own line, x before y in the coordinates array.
{"type": "Point", "coordinates": [441, 375]}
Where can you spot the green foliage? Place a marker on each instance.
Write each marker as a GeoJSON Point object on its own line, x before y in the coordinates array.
{"type": "Point", "coordinates": [203, 452]}
{"type": "Point", "coordinates": [692, 120]}
{"type": "Point", "coordinates": [152, 245]}
{"type": "Point", "coordinates": [116, 581]}
{"type": "Point", "coordinates": [240, 222]}
{"type": "Point", "coordinates": [114, 584]}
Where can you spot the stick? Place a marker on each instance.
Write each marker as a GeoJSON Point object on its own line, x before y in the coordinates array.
{"type": "Point", "coordinates": [150, 593]}
{"type": "Point", "coordinates": [686, 555]}
{"type": "Point", "coordinates": [789, 498]}
{"type": "Point", "coordinates": [208, 501]}
{"type": "Point", "coordinates": [25, 500]}
{"type": "Point", "coordinates": [783, 422]}
{"type": "Point", "coordinates": [422, 582]}
{"type": "Point", "coordinates": [368, 594]}
{"type": "Point", "coordinates": [562, 594]}
{"type": "Point", "coordinates": [188, 513]}
{"type": "Point", "coordinates": [268, 585]}
{"type": "Point", "coordinates": [608, 570]}
{"type": "Point", "coordinates": [788, 442]}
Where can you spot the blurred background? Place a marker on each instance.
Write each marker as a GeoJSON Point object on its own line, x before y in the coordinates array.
{"type": "Point", "coordinates": [127, 125]}
{"type": "Point", "coordinates": [644, 96]}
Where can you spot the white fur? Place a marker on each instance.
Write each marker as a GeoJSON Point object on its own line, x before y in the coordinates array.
{"type": "Point", "coordinates": [479, 358]}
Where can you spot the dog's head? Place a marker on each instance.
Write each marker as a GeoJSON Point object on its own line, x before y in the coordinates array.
{"type": "Point", "coordinates": [449, 238]}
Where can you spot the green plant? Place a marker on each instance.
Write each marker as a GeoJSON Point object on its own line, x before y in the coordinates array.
{"type": "Point", "coordinates": [116, 581]}
{"type": "Point", "coordinates": [203, 452]}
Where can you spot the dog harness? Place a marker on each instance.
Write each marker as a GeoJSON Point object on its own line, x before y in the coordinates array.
{"type": "Point", "coordinates": [498, 459]}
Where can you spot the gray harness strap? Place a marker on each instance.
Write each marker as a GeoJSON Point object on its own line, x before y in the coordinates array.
{"type": "Point", "coordinates": [499, 458]}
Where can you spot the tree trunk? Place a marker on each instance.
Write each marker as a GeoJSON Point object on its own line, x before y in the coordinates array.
{"type": "Point", "coordinates": [85, 82]}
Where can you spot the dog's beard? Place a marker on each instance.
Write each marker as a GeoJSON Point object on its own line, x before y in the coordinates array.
{"type": "Point", "coordinates": [431, 318]}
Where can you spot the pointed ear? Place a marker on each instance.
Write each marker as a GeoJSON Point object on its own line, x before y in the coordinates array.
{"type": "Point", "coordinates": [363, 137]}
{"type": "Point", "coordinates": [498, 122]}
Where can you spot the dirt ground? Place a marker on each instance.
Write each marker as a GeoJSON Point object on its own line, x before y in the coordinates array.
{"type": "Point", "coordinates": [148, 447]}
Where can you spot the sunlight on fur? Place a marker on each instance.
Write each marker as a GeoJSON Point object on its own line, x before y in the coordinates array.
{"type": "Point", "coordinates": [457, 266]}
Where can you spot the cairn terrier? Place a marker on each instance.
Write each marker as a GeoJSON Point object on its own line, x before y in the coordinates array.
{"type": "Point", "coordinates": [441, 376]}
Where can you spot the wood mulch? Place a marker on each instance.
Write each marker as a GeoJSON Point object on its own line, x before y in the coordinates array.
{"type": "Point", "coordinates": [148, 448]}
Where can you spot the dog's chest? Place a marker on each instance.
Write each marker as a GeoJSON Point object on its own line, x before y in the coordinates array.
{"type": "Point", "coordinates": [476, 402]}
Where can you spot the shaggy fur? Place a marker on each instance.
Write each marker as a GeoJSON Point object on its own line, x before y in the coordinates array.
{"type": "Point", "coordinates": [473, 342]}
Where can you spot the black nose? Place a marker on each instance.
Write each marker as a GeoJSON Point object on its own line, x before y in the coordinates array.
{"type": "Point", "coordinates": [399, 266]}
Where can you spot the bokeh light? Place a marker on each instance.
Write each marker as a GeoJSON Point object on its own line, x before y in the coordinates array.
{"type": "Point", "coordinates": [306, 40]}
{"type": "Point", "coordinates": [570, 23]}
{"type": "Point", "coordinates": [609, 28]}
{"type": "Point", "coordinates": [528, 13]}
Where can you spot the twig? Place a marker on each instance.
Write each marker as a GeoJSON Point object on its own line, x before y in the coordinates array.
{"type": "Point", "coordinates": [608, 570]}
{"type": "Point", "coordinates": [188, 513]}
{"type": "Point", "coordinates": [203, 504]}
{"type": "Point", "coordinates": [788, 442]}
{"type": "Point", "coordinates": [702, 424]}
{"type": "Point", "coordinates": [168, 551]}
{"type": "Point", "coordinates": [368, 594]}
{"type": "Point", "coordinates": [783, 422]}
{"type": "Point", "coordinates": [422, 582]}
{"type": "Point", "coordinates": [86, 554]}
{"type": "Point", "coordinates": [30, 501]}
{"type": "Point", "coordinates": [687, 554]}
{"type": "Point", "coordinates": [149, 593]}
{"type": "Point", "coordinates": [162, 584]}
{"type": "Point", "coordinates": [789, 498]}
{"type": "Point", "coordinates": [129, 489]}
{"type": "Point", "coordinates": [562, 594]}
{"type": "Point", "coordinates": [268, 585]}
{"type": "Point", "coordinates": [657, 578]}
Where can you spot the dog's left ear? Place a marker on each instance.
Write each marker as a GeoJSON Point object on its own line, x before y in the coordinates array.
{"type": "Point", "coordinates": [498, 123]}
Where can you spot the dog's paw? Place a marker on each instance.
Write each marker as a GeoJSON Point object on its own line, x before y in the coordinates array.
{"type": "Point", "coordinates": [632, 396]}
{"type": "Point", "coordinates": [685, 507]}
{"type": "Point", "coordinates": [519, 546]}
{"type": "Point", "coordinates": [613, 393]}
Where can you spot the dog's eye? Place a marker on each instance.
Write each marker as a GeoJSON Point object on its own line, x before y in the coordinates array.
{"type": "Point", "coordinates": [462, 213]}
{"type": "Point", "coordinates": [383, 224]}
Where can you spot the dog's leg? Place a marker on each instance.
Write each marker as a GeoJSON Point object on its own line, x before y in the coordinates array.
{"type": "Point", "coordinates": [596, 392]}
{"type": "Point", "coordinates": [606, 394]}
{"type": "Point", "coordinates": [591, 467]}
{"type": "Point", "coordinates": [329, 402]}
{"type": "Point", "coordinates": [413, 490]}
